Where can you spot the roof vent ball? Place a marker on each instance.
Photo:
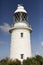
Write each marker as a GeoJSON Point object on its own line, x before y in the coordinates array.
{"type": "Point", "coordinates": [20, 8]}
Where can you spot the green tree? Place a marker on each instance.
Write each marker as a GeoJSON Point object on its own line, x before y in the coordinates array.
{"type": "Point", "coordinates": [28, 61]}
{"type": "Point", "coordinates": [3, 61]}
{"type": "Point", "coordinates": [14, 62]}
{"type": "Point", "coordinates": [39, 59]}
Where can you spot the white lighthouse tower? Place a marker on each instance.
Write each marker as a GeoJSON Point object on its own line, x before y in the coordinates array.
{"type": "Point", "coordinates": [20, 35]}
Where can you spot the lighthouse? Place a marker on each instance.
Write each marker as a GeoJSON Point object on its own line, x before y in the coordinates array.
{"type": "Point", "coordinates": [20, 47]}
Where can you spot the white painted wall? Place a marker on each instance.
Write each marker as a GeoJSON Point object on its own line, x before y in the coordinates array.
{"type": "Point", "coordinates": [20, 45]}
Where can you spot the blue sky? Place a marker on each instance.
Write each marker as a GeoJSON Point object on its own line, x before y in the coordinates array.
{"type": "Point", "coordinates": [35, 12]}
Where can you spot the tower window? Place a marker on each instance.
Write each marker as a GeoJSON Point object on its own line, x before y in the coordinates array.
{"type": "Point", "coordinates": [22, 56]}
{"type": "Point", "coordinates": [21, 34]}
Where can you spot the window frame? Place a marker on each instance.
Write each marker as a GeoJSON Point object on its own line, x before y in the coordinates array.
{"type": "Point", "coordinates": [22, 56]}
{"type": "Point", "coordinates": [21, 34]}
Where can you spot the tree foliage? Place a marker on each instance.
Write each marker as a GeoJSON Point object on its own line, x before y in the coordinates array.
{"type": "Point", "coordinates": [37, 60]}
